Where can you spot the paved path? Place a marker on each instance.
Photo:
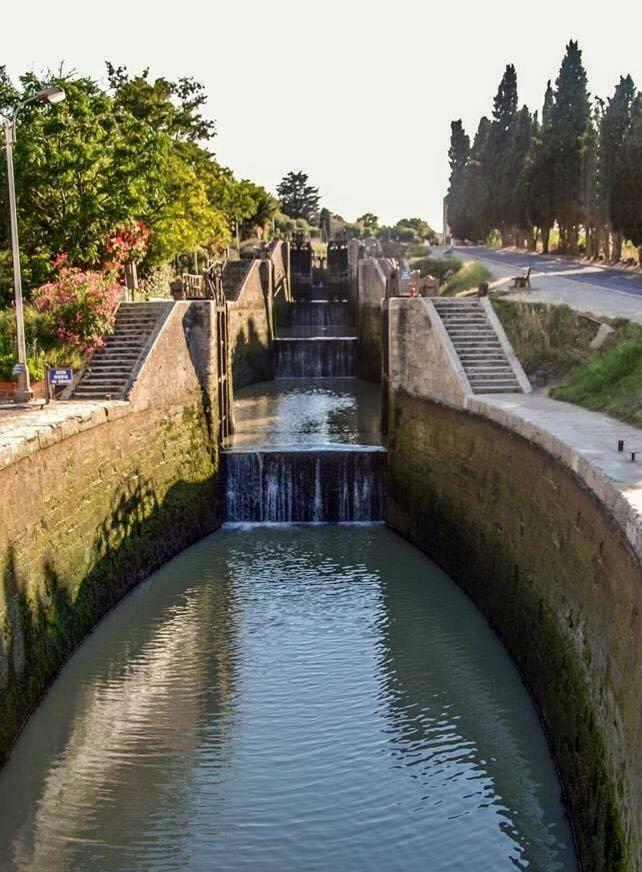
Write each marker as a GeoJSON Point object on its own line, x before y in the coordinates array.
{"type": "Point", "coordinates": [603, 291]}
{"type": "Point", "coordinates": [584, 441]}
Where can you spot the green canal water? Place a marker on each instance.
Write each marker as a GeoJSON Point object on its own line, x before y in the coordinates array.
{"type": "Point", "coordinates": [287, 698]}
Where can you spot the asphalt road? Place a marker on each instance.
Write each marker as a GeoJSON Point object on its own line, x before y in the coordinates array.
{"type": "Point", "coordinates": [604, 291]}
{"type": "Point", "coordinates": [598, 276]}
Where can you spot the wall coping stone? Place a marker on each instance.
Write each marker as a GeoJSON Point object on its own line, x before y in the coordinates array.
{"type": "Point", "coordinates": [585, 442]}
{"type": "Point", "coordinates": [23, 432]}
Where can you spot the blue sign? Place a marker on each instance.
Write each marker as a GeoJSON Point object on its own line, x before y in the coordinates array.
{"type": "Point", "coordinates": [59, 376]}
{"type": "Point", "coordinates": [19, 368]}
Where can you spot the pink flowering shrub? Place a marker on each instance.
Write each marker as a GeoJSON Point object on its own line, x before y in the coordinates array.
{"type": "Point", "coordinates": [127, 243]}
{"type": "Point", "coordinates": [80, 305]}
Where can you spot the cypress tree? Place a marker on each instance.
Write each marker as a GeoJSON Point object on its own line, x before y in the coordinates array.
{"type": "Point", "coordinates": [570, 119]}
{"type": "Point", "coordinates": [538, 173]}
{"type": "Point", "coordinates": [514, 194]}
{"type": "Point", "coordinates": [458, 154]}
{"type": "Point", "coordinates": [629, 189]}
{"type": "Point", "coordinates": [497, 149]}
{"type": "Point", "coordinates": [615, 122]}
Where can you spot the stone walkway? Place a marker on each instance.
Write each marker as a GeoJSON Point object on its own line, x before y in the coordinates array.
{"type": "Point", "coordinates": [584, 441]}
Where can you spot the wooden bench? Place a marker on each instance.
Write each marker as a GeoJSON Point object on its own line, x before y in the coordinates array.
{"type": "Point", "coordinates": [524, 280]}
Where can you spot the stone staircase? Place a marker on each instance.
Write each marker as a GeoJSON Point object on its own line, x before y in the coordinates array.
{"type": "Point", "coordinates": [234, 275]}
{"type": "Point", "coordinates": [111, 369]}
{"type": "Point", "coordinates": [478, 347]}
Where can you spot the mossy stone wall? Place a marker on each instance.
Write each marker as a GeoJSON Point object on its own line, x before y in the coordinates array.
{"type": "Point", "coordinates": [85, 519]}
{"type": "Point", "coordinates": [557, 578]}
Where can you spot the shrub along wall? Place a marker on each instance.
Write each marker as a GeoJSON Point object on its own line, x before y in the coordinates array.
{"type": "Point", "coordinates": [97, 503]}
{"type": "Point", "coordinates": [558, 579]}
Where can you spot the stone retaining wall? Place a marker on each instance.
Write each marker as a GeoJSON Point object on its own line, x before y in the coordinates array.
{"type": "Point", "coordinates": [371, 291]}
{"type": "Point", "coordinates": [97, 500]}
{"type": "Point", "coordinates": [251, 328]}
{"type": "Point", "coordinates": [557, 575]}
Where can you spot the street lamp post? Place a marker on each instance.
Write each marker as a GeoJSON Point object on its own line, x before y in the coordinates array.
{"type": "Point", "coordinates": [48, 95]}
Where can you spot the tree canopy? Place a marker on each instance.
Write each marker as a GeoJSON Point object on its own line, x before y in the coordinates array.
{"type": "Point", "coordinates": [299, 199]}
{"type": "Point", "coordinates": [576, 166]}
{"type": "Point", "coordinates": [136, 151]}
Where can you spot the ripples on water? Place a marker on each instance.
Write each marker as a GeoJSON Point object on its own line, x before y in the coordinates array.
{"type": "Point", "coordinates": [287, 698]}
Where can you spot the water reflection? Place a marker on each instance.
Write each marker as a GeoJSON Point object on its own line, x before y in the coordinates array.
{"type": "Point", "coordinates": [456, 704]}
{"type": "Point", "coordinates": [295, 413]}
{"type": "Point", "coordinates": [110, 752]}
{"type": "Point", "coordinates": [287, 698]}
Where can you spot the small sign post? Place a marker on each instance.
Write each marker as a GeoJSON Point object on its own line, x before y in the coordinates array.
{"type": "Point", "coordinates": [57, 376]}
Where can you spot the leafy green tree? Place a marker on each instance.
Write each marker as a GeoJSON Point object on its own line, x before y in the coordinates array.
{"type": "Point", "coordinates": [570, 120]}
{"type": "Point", "coordinates": [174, 108]}
{"type": "Point", "coordinates": [299, 199]}
{"type": "Point", "coordinates": [82, 169]}
{"type": "Point", "coordinates": [369, 221]}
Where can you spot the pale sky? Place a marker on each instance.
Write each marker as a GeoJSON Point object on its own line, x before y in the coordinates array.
{"type": "Point", "coordinates": [357, 93]}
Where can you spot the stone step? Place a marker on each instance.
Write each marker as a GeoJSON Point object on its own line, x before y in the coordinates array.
{"type": "Point", "coordinates": [108, 369]}
{"type": "Point", "coordinates": [103, 383]}
{"type": "Point", "coordinates": [98, 395]}
{"type": "Point", "coordinates": [493, 382]}
{"type": "Point", "coordinates": [472, 334]}
{"type": "Point", "coordinates": [490, 370]}
{"type": "Point", "coordinates": [126, 357]}
{"type": "Point", "coordinates": [488, 357]}
{"type": "Point", "coordinates": [498, 390]}
{"type": "Point", "coordinates": [472, 345]}
{"type": "Point", "coordinates": [120, 347]}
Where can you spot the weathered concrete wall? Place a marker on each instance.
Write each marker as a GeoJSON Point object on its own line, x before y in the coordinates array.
{"type": "Point", "coordinates": [94, 503]}
{"type": "Point", "coordinates": [251, 328]}
{"type": "Point", "coordinates": [280, 261]}
{"type": "Point", "coordinates": [553, 568]}
{"type": "Point", "coordinates": [422, 360]}
{"type": "Point", "coordinates": [371, 291]}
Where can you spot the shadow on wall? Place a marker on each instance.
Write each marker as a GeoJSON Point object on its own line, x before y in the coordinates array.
{"type": "Point", "coordinates": [251, 358]}
{"type": "Point", "coordinates": [202, 347]}
{"type": "Point", "coordinates": [42, 628]}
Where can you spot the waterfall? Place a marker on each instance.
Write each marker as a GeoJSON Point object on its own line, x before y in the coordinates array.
{"type": "Point", "coordinates": [320, 314]}
{"type": "Point", "coordinates": [315, 358]}
{"type": "Point", "coordinates": [305, 486]}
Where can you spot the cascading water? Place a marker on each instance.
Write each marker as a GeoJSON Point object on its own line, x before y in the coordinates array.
{"type": "Point", "coordinates": [315, 319]}
{"type": "Point", "coordinates": [309, 486]}
{"type": "Point", "coordinates": [315, 357]}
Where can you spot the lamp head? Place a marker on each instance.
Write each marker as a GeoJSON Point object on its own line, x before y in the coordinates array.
{"type": "Point", "coordinates": [55, 94]}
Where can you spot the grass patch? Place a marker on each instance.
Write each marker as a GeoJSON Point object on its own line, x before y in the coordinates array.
{"type": "Point", "coordinates": [612, 381]}
{"type": "Point", "coordinates": [437, 267]}
{"type": "Point", "coordinates": [555, 339]}
{"type": "Point", "coordinates": [469, 276]}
